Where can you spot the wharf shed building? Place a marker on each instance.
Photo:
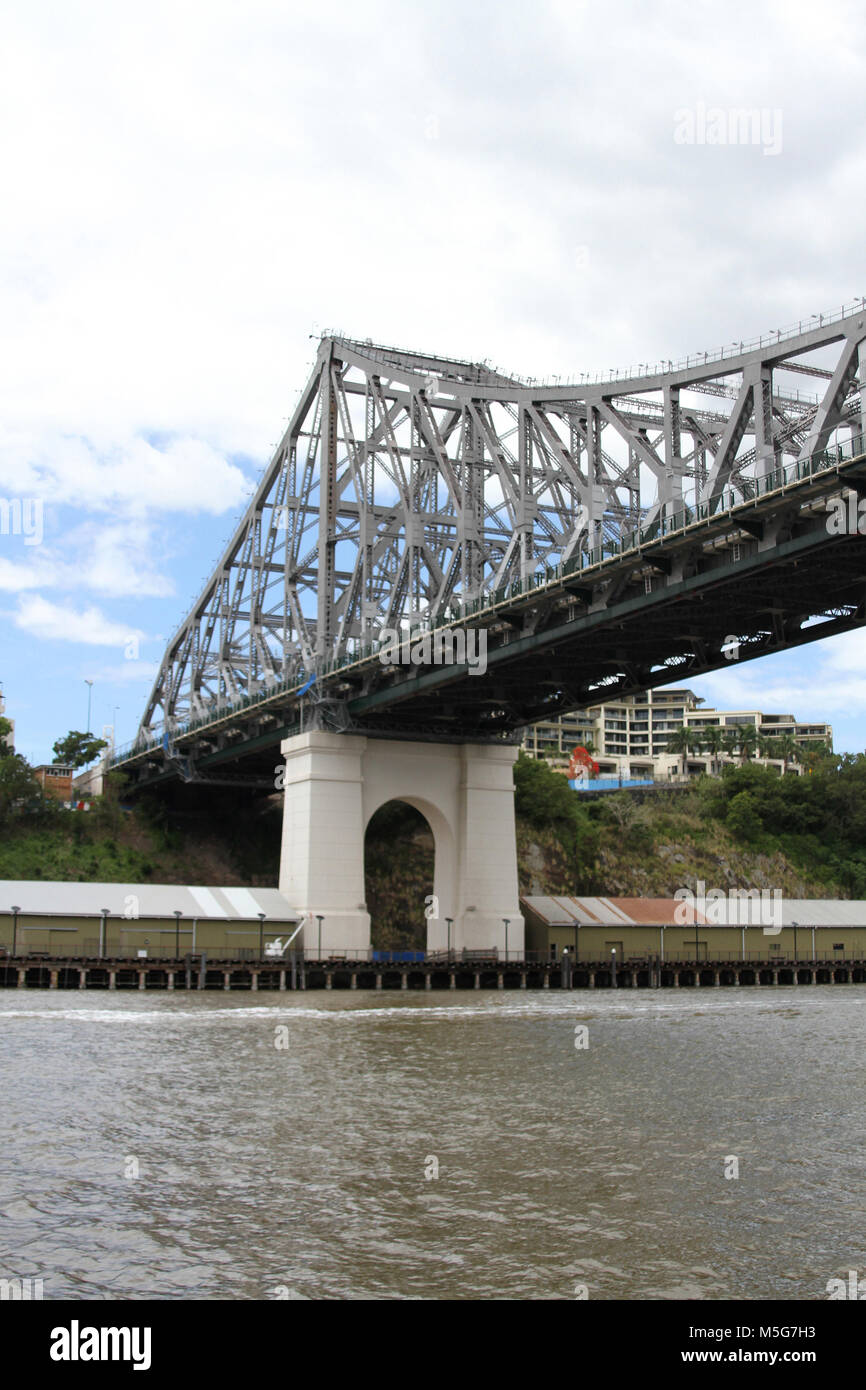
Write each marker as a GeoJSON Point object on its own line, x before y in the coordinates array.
{"type": "Point", "coordinates": [740, 926]}
{"type": "Point", "coordinates": [124, 920]}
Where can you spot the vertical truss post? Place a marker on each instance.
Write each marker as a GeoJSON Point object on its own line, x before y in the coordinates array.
{"type": "Point", "coordinates": [671, 487]}
{"type": "Point", "coordinates": [765, 449]}
{"type": "Point", "coordinates": [327, 512]}
{"type": "Point", "coordinates": [862, 378]}
{"type": "Point", "coordinates": [526, 560]}
{"type": "Point", "coordinates": [595, 493]}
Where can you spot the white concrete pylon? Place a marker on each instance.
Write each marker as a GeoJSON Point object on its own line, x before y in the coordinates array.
{"type": "Point", "coordinates": [336, 782]}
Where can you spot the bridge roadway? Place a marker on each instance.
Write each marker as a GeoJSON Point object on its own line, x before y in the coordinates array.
{"type": "Point", "coordinates": [28, 972]}
{"type": "Point", "coordinates": [762, 567]}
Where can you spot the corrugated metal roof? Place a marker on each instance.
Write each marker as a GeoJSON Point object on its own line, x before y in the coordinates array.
{"type": "Point", "coordinates": [154, 900]}
{"type": "Point", "coordinates": [607, 912]}
{"type": "Point", "coordinates": [728, 911]}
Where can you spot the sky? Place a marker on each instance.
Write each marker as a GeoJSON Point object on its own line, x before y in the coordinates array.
{"type": "Point", "coordinates": [194, 192]}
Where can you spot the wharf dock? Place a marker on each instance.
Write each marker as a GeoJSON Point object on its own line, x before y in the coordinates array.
{"type": "Point", "coordinates": [201, 973]}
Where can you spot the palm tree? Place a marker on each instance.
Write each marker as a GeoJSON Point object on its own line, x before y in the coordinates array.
{"type": "Point", "coordinates": [789, 751]}
{"type": "Point", "coordinates": [732, 739]}
{"type": "Point", "coordinates": [682, 740]}
{"type": "Point", "coordinates": [748, 741]}
{"type": "Point", "coordinates": [713, 740]}
{"type": "Point", "coordinates": [768, 747]}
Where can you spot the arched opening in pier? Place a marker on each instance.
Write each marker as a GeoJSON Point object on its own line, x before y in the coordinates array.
{"type": "Point", "coordinates": [399, 859]}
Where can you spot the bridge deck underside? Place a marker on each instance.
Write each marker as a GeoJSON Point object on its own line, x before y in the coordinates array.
{"type": "Point", "coordinates": [639, 642]}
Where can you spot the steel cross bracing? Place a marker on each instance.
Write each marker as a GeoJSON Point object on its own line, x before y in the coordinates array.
{"type": "Point", "coordinates": [407, 486]}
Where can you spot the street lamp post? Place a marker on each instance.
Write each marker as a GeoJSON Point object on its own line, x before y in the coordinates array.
{"type": "Point", "coordinates": [89, 685]}
{"type": "Point", "coordinates": [506, 920]}
{"type": "Point", "coordinates": [448, 922]}
{"type": "Point", "coordinates": [320, 919]}
{"type": "Point", "coordinates": [177, 917]}
{"type": "Point", "coordinates": [15, 911]}
{"type": "Point", "coordinates": [795, 925]}
{"type": "Point", "coordinates": [613, 967]}
{"type": "Point", "coordinates": [105, 912]}
{"type": "Point", "coordinates": [261, 917]}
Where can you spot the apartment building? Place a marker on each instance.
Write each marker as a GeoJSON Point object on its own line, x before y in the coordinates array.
{"type": "Point", "coordinates": [629, 737]}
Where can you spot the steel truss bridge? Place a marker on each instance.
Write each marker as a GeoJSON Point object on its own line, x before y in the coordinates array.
{"type": "Point", "coordinates": [605, 538]}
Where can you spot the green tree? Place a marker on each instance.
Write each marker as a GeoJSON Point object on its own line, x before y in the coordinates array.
{"type": "Point", "coordinates": [19, 789]}
{"type": "Point", "coordinates": [768, 747]}
{"type": "Point", "coordinates": [749, 741]}
{"type": "Point", "coordinates": [742, 818]}
{"type": "Point", "coordinates": [789, 751]}
{"type": "Point", "coordinates": [78, 749]}
{"type": "Point", "coordinates": [683, 740]}
{"type": "Point", "coordinates": [544, 799]}
{"type": "Point", "coordinates": [713, 740]}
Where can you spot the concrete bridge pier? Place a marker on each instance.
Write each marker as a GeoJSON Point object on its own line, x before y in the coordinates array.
{"type": "Point", "coordinates": [335, 783]}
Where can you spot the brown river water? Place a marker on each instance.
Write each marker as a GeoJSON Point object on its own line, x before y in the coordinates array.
{"type": "Point", "coordinates": [369, 1146]}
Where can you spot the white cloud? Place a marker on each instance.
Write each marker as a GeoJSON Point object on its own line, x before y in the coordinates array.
{"type": "Point", "coordinates": [110, 558]}
{"type": "Point", "coordinates": [40, 572]}
{"type": "Point", "coordinates": [183, 475]}
{"type": "Point", "coordinates": [118, 559]}
{"type": "Point", "coordinates": [59, 623]}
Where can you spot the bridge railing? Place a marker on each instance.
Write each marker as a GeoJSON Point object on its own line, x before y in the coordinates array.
{"type": "Point", "coordinates": [728, 350]}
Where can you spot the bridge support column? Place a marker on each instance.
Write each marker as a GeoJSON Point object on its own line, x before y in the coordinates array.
{"type": "Point", "coordinates": [452, 980]}
{"type": "Point", "coordinates": [170, 980]}
{"type": "Point", "coordinates": [335, 783]}
{"type": "Point", "coordinates": [322, 858]}
{"type": "Point", "coordinates": [82, 979]}
{"type": "Point", "coordinates": [112, 979]}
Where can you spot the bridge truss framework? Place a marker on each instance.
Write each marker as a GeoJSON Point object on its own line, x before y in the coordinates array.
{"type": "Point", "coordinates": [410, 491]}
